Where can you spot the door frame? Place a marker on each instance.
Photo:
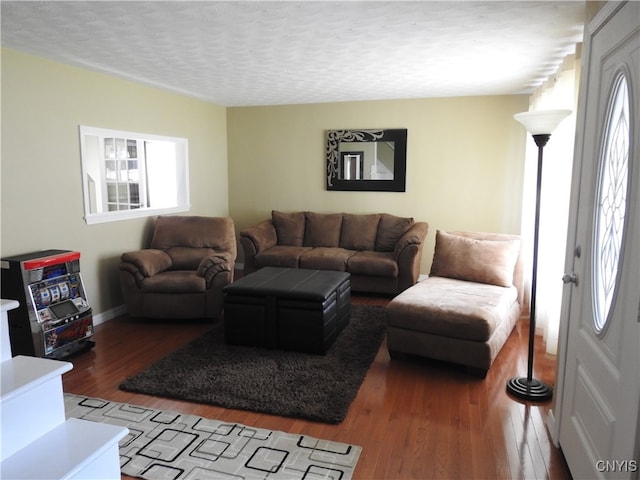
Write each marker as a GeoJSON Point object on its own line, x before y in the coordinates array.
{"type": "Point", "coordinates": [554, 414]}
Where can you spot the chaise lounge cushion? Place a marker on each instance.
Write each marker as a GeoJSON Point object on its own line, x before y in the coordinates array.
{"type": "Point", "coordinates": [475, 260]}
{"type": "Point", "coordinates": [452, 308]}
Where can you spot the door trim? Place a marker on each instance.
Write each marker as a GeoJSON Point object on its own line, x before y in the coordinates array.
{"type": "Point", "coordinates": [553, 418]}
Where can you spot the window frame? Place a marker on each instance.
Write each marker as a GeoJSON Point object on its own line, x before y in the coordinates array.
{"type": "Point", "coordinates": [181, 179]}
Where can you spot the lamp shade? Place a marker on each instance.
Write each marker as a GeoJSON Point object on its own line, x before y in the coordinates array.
{"type": "Point", "coordinates": [543, 121]}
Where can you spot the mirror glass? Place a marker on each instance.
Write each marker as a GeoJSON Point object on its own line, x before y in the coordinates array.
{"type": "Point", "coordinates": [366, 160]}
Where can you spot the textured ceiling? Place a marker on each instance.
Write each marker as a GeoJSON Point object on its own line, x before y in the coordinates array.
{"type": "Point", "coordinates": [268, 53]}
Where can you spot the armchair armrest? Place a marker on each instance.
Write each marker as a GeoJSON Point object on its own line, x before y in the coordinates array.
{"type": "Point", "coordinates": [146, 262]}
{"type": "Point", "coordinates": [212, 265]}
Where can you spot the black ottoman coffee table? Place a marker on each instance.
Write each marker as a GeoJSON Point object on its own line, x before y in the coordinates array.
{"type": "Point", "coordinates": [287, 308]}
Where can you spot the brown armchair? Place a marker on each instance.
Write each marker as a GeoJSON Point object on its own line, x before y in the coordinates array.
{"type": "Point", "coordinates": [182, 273]}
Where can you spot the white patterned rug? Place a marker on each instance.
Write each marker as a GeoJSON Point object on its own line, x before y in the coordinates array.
{"type": "Point", "coordinates": [169, 445]}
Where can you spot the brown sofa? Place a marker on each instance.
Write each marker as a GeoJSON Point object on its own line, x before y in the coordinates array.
{"type": "Point", "coordinates": [182, 273]}
{"type": "Point", "coordinates": [465, 311]}
{"type": "Point", "coordinates": [382, 252]}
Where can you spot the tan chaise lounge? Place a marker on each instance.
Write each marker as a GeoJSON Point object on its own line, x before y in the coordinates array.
{"type": "Point", "coordinates": [466, 309]}
{"type": "Point", "coordinates": [382, 252]}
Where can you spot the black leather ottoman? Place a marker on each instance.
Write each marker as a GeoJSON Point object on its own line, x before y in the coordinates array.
{"type": "Point", "coordinates": [287, 308]}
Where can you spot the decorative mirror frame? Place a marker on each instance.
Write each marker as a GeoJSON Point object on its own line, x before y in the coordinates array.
{"type": "Point", "coordinates": [397, 135]}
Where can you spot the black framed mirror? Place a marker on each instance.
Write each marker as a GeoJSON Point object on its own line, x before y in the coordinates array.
{"type": "Point", "coordinates": [367, 160]}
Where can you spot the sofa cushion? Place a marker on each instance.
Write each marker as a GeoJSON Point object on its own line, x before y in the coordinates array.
{"type": "Point", "coordinates": [326, 258]}
{"type": "Point", "coordinates": [280, 256]}
{"type": "Point", "coordinates": [359, 232]}
{"type": "Point", "coordinates": [484, 261]}
{"type": "Point", "coordinates": [390, 229]}
{"type": "Point", "coordinates": [452, 308]}
{"type": "Point", "coordinates": [289, 227]}
{"type": "Point", "coordinates": [322, 229]}
{"type": "Point", "coordinates": [375, 264]}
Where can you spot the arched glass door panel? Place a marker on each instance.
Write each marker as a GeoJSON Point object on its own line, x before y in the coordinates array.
{"type": "Point", "coordinates": [611, 203]}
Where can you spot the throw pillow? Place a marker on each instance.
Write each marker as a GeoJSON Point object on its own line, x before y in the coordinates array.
{"type": "Point", "coordinates": [289, 227]}
{"type": "Point", "coordinates": [322, 229]}
{"type": "Point", "coordinates": [390, 229]}
{"type": "Point", "coordinates": [483, 261]}
{"type": "Point", "coordinates": [359, 231]}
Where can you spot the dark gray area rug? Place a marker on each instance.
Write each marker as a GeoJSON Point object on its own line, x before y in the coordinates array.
{"type": "Point", "coordinates": [290, 384]}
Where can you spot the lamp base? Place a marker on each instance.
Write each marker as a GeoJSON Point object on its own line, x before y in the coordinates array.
{"type": "Point", "coordinates": [529, 389]}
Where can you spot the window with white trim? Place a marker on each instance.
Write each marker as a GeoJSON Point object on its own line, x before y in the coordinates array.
{"type": "Point", "coordinates": [131, 175]}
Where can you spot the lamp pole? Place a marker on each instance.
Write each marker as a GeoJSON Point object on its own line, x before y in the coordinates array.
{"type": "Point", "coordinates": [540, 125]}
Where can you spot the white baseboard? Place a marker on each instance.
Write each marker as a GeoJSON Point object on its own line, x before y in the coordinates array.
{"type": "Point", "coordinates": [102, 317]}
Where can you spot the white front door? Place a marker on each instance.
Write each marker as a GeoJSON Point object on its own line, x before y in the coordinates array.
{"type": "Point", "coordinates": [598, 390]}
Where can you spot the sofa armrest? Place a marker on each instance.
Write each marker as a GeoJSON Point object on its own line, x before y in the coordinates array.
{"type": "Point", "coordinates": [147, 262]}
{"type": "Point", "coordinates": [408, 254]}
{"type": "Point", "coordinates": [217, 265]}
{"type": "Point", "coordinates": [263, 235]}
{"type": "Point", "coordinates": [414, 236]}
{"type": "Point", "coordinates": [255, 240]}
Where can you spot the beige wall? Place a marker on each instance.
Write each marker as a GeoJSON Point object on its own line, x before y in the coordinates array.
{"type": "Point", "coordinates": [464, 161]}
{"type": "Point", "coordinates": [43, 103]}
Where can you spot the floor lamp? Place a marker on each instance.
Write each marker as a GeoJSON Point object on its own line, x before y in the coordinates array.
{"type": "Point", "coordinates": [540, 125]}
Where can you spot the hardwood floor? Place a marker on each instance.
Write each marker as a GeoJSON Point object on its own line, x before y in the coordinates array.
{"type": "Point", "coordinates": [413, 419]}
